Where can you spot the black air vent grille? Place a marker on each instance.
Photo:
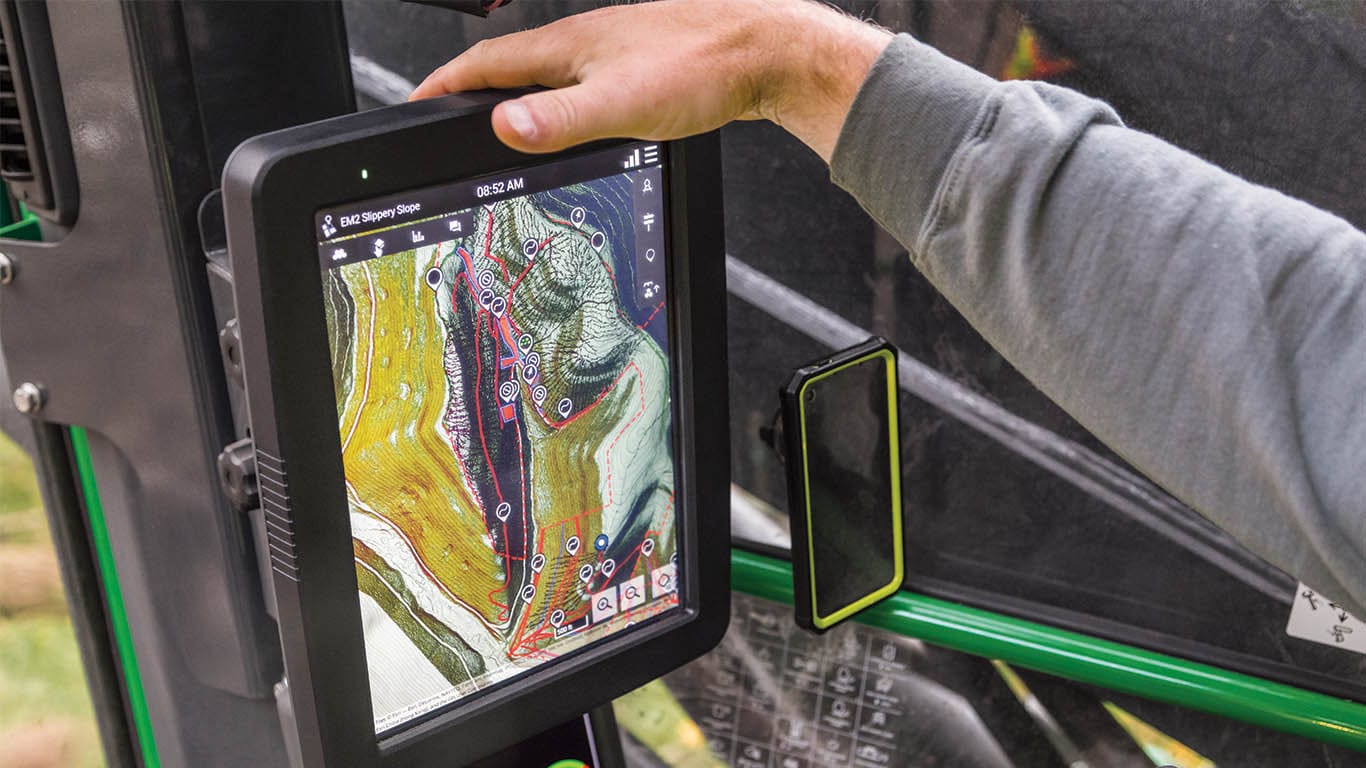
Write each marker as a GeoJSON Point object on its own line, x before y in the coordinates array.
{"type": "Point", "coordinates": [15, 162]}
{"type": "Point", "coordinates": [36, 165]}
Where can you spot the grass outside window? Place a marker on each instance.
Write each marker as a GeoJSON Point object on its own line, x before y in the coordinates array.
{"type": "Point", "coordinates": [46, 718]}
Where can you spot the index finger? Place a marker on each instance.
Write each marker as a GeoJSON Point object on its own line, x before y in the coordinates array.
{"type": "Point", "coordinates": [548, 56]}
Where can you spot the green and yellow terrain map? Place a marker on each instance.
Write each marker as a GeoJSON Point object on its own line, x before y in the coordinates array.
{"type": "Point", "coordinates": [504, 413]}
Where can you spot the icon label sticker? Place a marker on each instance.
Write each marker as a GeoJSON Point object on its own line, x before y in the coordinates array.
{"type": "Point", "coordinates": [1316, 618]}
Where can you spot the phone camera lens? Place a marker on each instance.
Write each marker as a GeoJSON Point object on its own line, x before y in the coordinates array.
{"type": "Point", "coordinates": [810, 395]}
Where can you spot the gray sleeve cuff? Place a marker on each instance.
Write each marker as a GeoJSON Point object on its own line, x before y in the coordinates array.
{"type": "Point", "coordinates": [911, 114]}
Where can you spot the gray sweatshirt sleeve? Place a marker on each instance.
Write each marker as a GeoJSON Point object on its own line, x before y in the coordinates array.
{"type": "Point", "coordinates": [1211, 331]}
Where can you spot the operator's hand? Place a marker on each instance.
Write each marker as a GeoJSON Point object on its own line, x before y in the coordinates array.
{"type": "Point", "coordinates": [669, 69]}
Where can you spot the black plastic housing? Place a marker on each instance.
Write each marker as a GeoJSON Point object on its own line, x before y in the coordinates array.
{"type": "Point", "coordinates": [272, 186]}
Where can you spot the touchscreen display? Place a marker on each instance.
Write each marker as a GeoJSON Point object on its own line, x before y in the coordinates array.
{"type": "Point", "coordinates": [500, 353]}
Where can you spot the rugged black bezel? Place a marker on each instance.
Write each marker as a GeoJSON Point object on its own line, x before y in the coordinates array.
{"type": "Point", "coordinates": [272, 186]}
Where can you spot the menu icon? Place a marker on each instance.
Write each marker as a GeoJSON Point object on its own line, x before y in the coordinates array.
{"type": "Point", "coordinates": [633, 593]}
{"type": "Point", "coordinates": [664, 580]}
{"type": "Point", "coordinates": [604, 604]}
{"type": "Point", "coordinates": [650, 235]}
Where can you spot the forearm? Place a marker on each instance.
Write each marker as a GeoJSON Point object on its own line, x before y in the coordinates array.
{"type": "Point", "coordinates": [1207, 329]}
{"type": "Point", "coordinates": [813, 65]}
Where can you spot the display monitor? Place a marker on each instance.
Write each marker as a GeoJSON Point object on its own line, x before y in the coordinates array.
{"type": "Point", "coordinates": [500, 360]}
{"type": "Point", "coordinates": [490, 450]}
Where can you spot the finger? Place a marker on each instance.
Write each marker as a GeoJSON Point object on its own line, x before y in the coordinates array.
{"type": "Point", "coordinates": [552, 120]}
{"type": "Point", "coordinates": [548, 56]}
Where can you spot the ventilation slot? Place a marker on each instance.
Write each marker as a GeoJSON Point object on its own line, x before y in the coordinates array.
{"type": "Point", "coordinates": [35, 146]}
{"type": "Point", "coordinates": [15, 162]}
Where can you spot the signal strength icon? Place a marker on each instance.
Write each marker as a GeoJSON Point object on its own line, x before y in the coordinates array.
{"type": "Point", "coordinates": [632, 160]}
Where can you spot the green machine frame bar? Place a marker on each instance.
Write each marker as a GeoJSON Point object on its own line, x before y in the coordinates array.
{"type": "Point", "coordinates": [1085, 659]}
{"type": "Point", "coordinates": [118, 614]}
{"type": "Point", "coordinates": [25, 227]}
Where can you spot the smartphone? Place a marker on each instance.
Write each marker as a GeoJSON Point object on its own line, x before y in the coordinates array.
{"type": "Point", "coordinates": [844, 483]}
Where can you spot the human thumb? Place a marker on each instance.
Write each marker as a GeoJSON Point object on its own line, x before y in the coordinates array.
{"type": "Point", "coordinates": [548, 121]}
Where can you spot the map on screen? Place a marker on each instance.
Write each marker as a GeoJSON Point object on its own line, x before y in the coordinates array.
{"type": "Point", "coordinates": [504, 407]}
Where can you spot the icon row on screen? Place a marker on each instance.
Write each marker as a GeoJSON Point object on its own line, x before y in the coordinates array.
{"type": "Point", "coordinates": [641, 156]}
{"type": "Point", "coordinates": [631, 594]}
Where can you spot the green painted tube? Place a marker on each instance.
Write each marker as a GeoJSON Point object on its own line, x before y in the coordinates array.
{"type": "Point", "coordinates": [113, 595]}
{"type": "Point", "coordinates": [1086, 659]}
